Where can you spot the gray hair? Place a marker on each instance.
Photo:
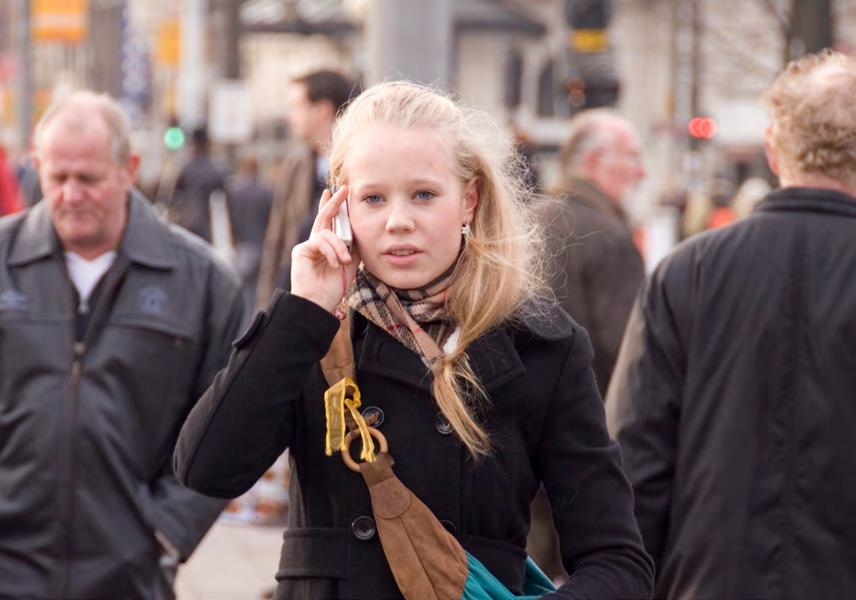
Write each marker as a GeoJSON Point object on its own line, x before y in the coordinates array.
{"type": "Point", "coordinates": [590, 130]}
{"type": "Point", "coordinates": [118, 124]}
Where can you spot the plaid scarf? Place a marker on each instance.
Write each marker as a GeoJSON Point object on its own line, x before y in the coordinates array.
{"type": "Point", "coordinates": [417, 318]}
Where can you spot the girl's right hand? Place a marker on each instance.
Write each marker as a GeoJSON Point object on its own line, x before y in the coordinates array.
{"type": "Point", "coordinates": [321, 267]}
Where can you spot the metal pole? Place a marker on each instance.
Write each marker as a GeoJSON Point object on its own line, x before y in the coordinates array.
{"type": "Point", "coordinates": [410, 39]}
{"type": "Point", "coordinates": [192, 66]}
{"type": "Point", "coordinates": [24, 91]}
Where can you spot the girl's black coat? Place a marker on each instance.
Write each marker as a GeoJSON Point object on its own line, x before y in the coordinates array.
{"type": "Point", "coordinates": [546, 422]}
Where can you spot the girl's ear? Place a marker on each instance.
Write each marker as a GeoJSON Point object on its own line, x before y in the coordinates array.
{"type": "Point", "coordinates": [471, 198]}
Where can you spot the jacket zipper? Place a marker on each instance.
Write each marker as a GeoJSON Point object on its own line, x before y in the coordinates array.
{"type": "Point", "coordinates": [76, 369]}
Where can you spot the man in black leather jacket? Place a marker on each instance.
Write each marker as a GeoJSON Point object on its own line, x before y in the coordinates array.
{"type": "Point", "coordinates": [733, 396]}
{"type": "Point", "coordinates": [112, 323]}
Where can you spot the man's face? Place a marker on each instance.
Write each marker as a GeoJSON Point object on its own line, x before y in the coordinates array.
{"type": "Point", "coordinates": [85, 190]}
{"type": "Point", "coordinates": [308, 121]}
{"type": "Point", "coordinates": [618, 169]}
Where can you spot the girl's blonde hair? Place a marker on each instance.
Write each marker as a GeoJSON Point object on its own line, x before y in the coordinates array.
{"type": "Point", "coordinates": [499, 270]}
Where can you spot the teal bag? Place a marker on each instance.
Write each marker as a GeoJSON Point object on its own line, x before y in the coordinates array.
{"type": "Point", "coordinates": [482, 585]}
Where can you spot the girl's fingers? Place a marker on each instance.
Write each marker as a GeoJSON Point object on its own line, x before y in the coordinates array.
{"type": "Point", "coordinates": [337, 244]}
{"type": "Point", "coordinates": [328, 206]}
{"type": "Point", "coordinates": [323, 247]}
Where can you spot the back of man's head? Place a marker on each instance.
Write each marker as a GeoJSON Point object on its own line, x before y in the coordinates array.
{"type": "Point", "coordinates": [329, 85]}
{"type": "Point", "coordinates": [603, 148]}
{"type": "Point", "coordinates": [811, 140]}
{"type": "Point", "coordinates": [199, 139]}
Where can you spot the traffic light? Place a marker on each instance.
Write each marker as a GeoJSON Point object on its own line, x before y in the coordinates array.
{"type": "Point", "coordinates": [592, 92]}
{"type": "Point", "coordinates": [173, 137]}
{"type": "Point", "coordinates": [702, 128]}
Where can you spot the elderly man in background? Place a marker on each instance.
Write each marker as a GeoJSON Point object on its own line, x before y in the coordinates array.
{"type": "Point", "coordinates": [596, 268]}
{"type": "Point", "coordinates": [733, 395]}
{"type": "Point", "coordinates": [112, 323]}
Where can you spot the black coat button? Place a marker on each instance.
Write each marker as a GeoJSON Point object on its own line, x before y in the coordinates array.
{"type": "Point", "coordinates": [363, 528]}
{"type": "Point", "coordinates": [450, 527]}
{"type": "Point", "coordinates": [376, 412]}
{"type": "Point", "coordinates": [442, 425]}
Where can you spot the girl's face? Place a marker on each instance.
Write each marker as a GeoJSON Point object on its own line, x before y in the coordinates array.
{"type": "Point", "coordinates": [406, 205]}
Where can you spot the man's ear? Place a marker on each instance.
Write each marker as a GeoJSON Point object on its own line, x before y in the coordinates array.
{"type": "Point", "coordinates": [770, 152]}
{"type": "Point", "coordinates": [130, 168]}
{"type": "Point", "coordinates": [471, 198]}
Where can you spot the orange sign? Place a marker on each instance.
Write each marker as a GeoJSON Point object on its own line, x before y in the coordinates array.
{"type": "Point", "coordinates": [59, 20]}
{"type": "Point", "coordinates": [168, 45]}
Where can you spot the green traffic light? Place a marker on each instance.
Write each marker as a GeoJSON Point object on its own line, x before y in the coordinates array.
{"type": "Point", "coordinates": [173, 138]}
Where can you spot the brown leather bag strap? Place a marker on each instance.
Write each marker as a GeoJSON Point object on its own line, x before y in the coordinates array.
{"type": "Point", "coordinates": [339, 360]}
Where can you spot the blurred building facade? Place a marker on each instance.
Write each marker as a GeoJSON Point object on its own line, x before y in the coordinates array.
{"type": "Point", "coordinates": [525, 61]}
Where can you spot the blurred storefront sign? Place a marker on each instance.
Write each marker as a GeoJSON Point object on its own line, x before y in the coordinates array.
{"type": "Point", "coordinates": [230, 118]}
{"type": "Point", "coordinates": [59, 20]}
{"type": "Point", "coordinates": [168, 44]}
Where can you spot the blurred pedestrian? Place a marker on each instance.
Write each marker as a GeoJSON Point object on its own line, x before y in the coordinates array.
{"type": "Point", "coordinates": [190, 204]}
{"type": "Point", "coordinates": [249, 201]}
{"type": "Point", "coordinates": [9, 201]}
{"type": "Point", "coordinates": [313, 101]}
{"type": "Point", "coordinates": [113, 323]}
{"type": "Point", "coordinates": [732, 398]}
{"type": "Point", "coordinates": [29, 188]}
{"type": "Point", "coordinates": [481, 389]}
{"type": "Point", "coordinates": [594, 268]}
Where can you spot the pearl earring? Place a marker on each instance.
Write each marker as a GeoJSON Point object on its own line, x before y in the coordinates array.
{"type": "Point", "coordinates": [466, 230]}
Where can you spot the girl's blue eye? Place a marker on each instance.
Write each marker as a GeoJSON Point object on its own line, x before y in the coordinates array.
{"type": "Point", "coordinates": [372, 199]}
{"type": "Point", "coordinates": [424, 195]}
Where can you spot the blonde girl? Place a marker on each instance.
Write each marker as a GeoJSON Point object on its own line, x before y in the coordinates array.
{"type": "Point", "coordinates": [482, 387]}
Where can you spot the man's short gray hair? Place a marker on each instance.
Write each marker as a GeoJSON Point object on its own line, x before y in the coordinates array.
{"type": "Point", "coordinates": [590, 130]}
{"type": "Point", "coordinates": [118, 124]}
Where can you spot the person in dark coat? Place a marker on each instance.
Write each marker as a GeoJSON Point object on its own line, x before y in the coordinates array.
{"type": "Point", "coordinates": [112, 323]}
{"type": "Point", "coordinates": [249, 201]}
{"type": "Point", "coordinates": [482, 390]}
{"type": "Point", "coordinates": [732, 397]}
{"type": "Point", "coordinates": [595, 267]}
{"type": "Point", "coordinates": [200, 177]}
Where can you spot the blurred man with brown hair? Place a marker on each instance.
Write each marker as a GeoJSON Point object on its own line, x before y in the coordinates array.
{"type": "Point", "coordinates": [313, 101]}
{"type": "Point", "coordinates": [732, 397]}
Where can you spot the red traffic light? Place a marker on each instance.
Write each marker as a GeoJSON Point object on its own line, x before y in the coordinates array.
{"type": "Point", "coordinates": [703, 128]}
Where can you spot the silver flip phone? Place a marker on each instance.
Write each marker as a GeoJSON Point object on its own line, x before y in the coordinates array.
{"type": "Point", "coordinates": [342, 225]}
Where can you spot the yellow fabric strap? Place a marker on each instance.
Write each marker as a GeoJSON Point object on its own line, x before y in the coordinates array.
{"type": "Point", "coordinates": [345, 395]}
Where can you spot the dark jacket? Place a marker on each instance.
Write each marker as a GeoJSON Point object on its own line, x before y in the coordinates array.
{"type": "Point", "coordinates": [733, 404]}
{"type": "Point", "coordinates": [545, 419]}
{"type": "Point", "coordinates": [596, 269]}
{"type": "Point", "coordinates": [190, 202]}
{"type": "Point", "coordinates": [87, 429]}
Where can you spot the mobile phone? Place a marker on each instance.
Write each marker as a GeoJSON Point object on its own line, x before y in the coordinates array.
{"type": "Point", "coordinates": [342, 225]}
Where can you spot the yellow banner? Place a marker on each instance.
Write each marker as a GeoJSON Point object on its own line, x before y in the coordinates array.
{"type": "Point", "coordinates": [59, 20]}
{"type": "Point", "coordinates": [589, 40]}
{"type": "Point", "coordinates": [168, 43]}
